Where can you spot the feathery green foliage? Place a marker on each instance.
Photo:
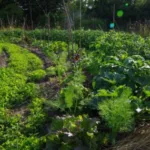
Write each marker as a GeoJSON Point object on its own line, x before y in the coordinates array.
{"type": "Point", "coordinates": [117, 112]}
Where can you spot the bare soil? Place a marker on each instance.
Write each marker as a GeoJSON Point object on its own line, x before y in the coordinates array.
{"type": "Point", "coordinates": [138, 140]}
{"type": "Point", "coordinates": [3, 60]}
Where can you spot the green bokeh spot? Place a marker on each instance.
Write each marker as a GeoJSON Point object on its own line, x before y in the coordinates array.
{"type": "Point", "coordinates": [120, 13]}
{"type": "Point", "coordinates": [126, 4]}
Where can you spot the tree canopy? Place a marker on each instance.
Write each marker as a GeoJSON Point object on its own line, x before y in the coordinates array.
{"type": "Point", "coordinates": [38, 12]}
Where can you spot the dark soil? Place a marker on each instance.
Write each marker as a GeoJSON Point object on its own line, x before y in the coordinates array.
{"type": "Point", "coordinates": [137, 140]}
{"type": "Point", "coordinates": [40, 54]}
{"type": "Point", "coordinates": [3, 60]}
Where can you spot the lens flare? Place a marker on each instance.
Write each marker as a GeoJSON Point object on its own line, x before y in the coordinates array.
{"type": "Point", "coordinates": [126, 4]}
{"type": "Point", "coordinates": [120, 13]}
{"type": "Point", "coordinates": [111, 25]}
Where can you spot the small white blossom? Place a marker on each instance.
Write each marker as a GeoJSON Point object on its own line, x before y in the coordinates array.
{"type": "Point", "coordinates": [97, 122]}
{"type": "Point", "coordinates": [138, 110]}
{"type": "Point", "coordinates": [69, 134]}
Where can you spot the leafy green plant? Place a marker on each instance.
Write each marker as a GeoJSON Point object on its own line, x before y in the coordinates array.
{"type": "Point", "coordinates": [51, 71]}
{"type": "Point", "coordinates": [21, 60]}
{"type": "Point", "coordinates": [116, 110]}
{"type": "Point", "coordinates": [71, 132]}
{"type": "Point", "coordinates": [112, 43]}
{"type": "Point", "coordinates": [12, 87]}
{"type": "Point", "coordinates": [37, 75]}
{"type": "Point", "coordinates": [37, 116]}
{"type": "Point", "coordinates": [117, 63]}
{"type": "Point", "coordinates": [73, 93]}
{"type": "Point", "coordinates": [17, 127]}
{"type": "Point", "coordinates": [85, 37]}
{"type": "Point", "coordinates": [132, 71]}
{"type": "Point", "coordinates": [23, 142]}
{"type": "Point", "coordinates": [57, 53]}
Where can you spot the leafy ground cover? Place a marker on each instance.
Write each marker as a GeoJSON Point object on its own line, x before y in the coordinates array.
{"type": "Point", "coordinates": [72, 96]}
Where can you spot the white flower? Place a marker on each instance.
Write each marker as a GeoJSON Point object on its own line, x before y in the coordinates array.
{"type": "Point", "coordinates": [138, 110]}
{"type": "Point", "coordinates": [68, 133]}
{"type": "Point", "coordinates": [97, 122]}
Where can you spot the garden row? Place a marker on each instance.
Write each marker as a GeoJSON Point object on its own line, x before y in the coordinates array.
{"type": "Point", "coordinates": [104, 89]}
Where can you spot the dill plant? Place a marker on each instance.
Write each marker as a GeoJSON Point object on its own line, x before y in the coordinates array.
{"type": "Point", "coordinates": [117, 112]}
